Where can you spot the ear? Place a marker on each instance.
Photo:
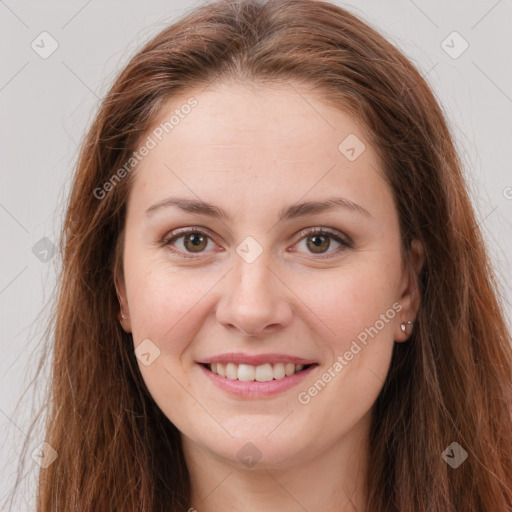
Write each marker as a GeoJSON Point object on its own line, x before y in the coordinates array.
{"type": "Point", "coordinates": [124, 313]}
{"type": "Point", "coordinates": [409, 289]}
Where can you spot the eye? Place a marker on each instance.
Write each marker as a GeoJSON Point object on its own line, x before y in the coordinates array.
{"type": "Point", "coordinates": [193, 241]}
{"type": "Point", "coordinates": [318, 241]}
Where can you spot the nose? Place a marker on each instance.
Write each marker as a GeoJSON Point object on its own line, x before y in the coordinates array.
{"type": "Point", "coordinates": [254, 299]}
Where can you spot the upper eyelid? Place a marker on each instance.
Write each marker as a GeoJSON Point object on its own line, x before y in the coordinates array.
{"type": "Point", "coordinates": [179, 232]}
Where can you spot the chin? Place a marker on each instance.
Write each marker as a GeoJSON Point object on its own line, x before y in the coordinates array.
{"type": "Point", "coordinates": [258, 451]}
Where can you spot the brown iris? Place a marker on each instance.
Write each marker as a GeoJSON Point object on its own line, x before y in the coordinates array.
{"type": "Point", "coordinates": [195, 242]}
{"type": "Point", "coordinates": [317, 246]}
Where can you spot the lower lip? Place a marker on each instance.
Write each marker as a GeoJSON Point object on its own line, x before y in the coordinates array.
{"type": "Point", "coordinates": [254, 389]}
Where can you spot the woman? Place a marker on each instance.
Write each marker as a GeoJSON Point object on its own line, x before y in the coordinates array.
{"type": "Point", "coordinates": [274, 293]}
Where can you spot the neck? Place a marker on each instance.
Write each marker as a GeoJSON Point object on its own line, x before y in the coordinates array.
{"type": "Point", "coordinates": [332, 480]}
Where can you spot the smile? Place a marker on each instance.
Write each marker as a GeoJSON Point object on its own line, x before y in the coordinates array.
{"type": "Point", "coordinates": [261, 381]}
{"type": "Point", "coordinates": [261, 373]}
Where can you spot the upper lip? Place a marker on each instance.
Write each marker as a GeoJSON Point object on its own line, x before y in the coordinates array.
{"type": "Point", "coordinates": [255, 360]}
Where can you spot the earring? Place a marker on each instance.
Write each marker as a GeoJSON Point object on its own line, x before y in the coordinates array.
{"type": "Point", "coordinates": [123, 316]}
{"type": "Point", "coordinates": [407, 327]}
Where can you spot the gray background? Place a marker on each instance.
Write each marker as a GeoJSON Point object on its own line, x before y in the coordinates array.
{"type": "Point", "coordinates": [47, 104]}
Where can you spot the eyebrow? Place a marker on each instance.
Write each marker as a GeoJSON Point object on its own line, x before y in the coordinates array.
{"type": "Point", "coordinates": [288, 213]}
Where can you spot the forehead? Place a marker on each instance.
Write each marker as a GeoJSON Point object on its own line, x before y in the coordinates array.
{"type": "Point", "coordinates": [258, 142]}
{"type": "Point", "coordinates": [284, 117]}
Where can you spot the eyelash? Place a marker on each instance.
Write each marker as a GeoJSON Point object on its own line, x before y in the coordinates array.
{"type": "Point", "coordinates": [174, 235]}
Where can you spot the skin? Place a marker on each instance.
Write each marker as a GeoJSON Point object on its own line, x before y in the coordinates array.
{"type": "Point", "coordinates": [252, 150]}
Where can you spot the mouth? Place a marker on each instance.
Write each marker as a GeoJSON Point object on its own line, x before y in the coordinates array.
{"type": "Point", "coordinates": [261, 373]}
{"type": "Point", "coordinates": [260, 380]}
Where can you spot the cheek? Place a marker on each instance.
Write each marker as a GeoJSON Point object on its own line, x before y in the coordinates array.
{"type": "Point", "coordinates": [350, 299]}
{"type": "Point", "coordinates": [159, 304]}
{"type": "Point", "coordinates": [165, 308]}
{"type": "Point", "coordinates": [358, 310]}
{"type": "Point", "coordinates": [166, 303]}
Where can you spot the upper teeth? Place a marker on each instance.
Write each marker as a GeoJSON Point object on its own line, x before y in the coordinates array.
{"type": "Point", "coordinates": [262, 373]}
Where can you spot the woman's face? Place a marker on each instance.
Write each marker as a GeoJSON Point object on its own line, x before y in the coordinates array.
{"type": "Point", "coordinates": [223, 263]}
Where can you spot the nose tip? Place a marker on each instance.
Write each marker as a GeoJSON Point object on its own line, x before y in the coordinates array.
{"type": "Point", "coordinates": [253, 300]}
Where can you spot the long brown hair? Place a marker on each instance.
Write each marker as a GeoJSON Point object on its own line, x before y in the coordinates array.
{"type": "Point", "coordinates": [451, 382]}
